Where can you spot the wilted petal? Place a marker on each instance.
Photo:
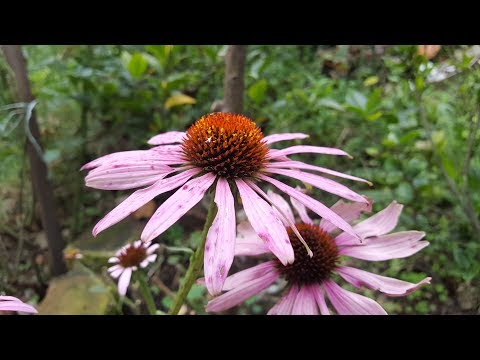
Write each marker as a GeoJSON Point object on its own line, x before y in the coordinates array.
{"type": "Point", "coordinates": [381, 223]}
{"type": "Point", "coordinates": [386, 247]}
{"type": "Point", "coordinates": [220, 242]}
{"type": "Point", "coordinates": [266, 223]}
{"type": "Point", "coordinates": [248, 242]}
{"type": "Point", "coordinates": [177, 205]}
{"type": "Point", "coordinates": [387, 285]}
{"type": "Point", "coordinates": [140, 198]}
{"type": "Point", "coordinates": [349, 303]}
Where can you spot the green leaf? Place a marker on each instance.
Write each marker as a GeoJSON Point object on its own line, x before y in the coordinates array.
{"type": "Point", "coordinates": [374, 116]}
{"type": "Point", "coordinates": [330, 103]}
{"type": "Point", "coordinates": [405, 192]}
{"type": "Point", "coordinates": [257, 91]}
{"type": "Point", "coordinates": [178, 99]}
{"type": "Point", "coordinates": [137, 65]}
{"type": "Point", "coordinates": [51, 155]}
{"type": "Point", "coordinates": [371, 80]}
{"type": "Point", "coordinates": [356, 99]}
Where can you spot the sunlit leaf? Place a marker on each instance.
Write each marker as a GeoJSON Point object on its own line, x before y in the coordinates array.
{"type": "Point", "coordinates": [178, 99]}
{"type": "Point", "coordinates": [137, 65]}
{"type": "Point", "coordinates": [257, 91]}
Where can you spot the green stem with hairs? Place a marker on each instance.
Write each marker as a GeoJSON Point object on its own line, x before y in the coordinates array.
{"type": "Point", "coordinates": [146, 292]}
{"type": "Point", "coordinates": [196, 262]}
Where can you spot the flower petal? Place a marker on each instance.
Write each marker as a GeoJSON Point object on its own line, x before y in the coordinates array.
{"type": "Point", "coordinates": [305, 303]}
{"type": "Point", "coordinates": [349, 303]}
{"type": "Point", "coordinates": [301, 210]}
{"type": "Point", "coordinates": [387, 285]}
{"type": "Point", "coordinates": [386, 247]}
{"type": "Point", "coordinates": [312, 204]}
{"type": "Point", "coordinates": [148, 260]}
{"type": "Point", "coordinates": [266, 223]}
{"type": "Point", "coordinates": [291, 164]}
{"type": "Point", "coordinates": [152, 249]}
{"type": "Point", "coordinates": [220, 242]}
{"type": "Point", "coordinates": [248, 242]}
{"type": "Point", "coordinates": [307, 149]}
{"type": "Point", "coordinates": [167, 138]}
{"type": "Point", "coordinates": [140, 198]}
{"type": "Point", "coordinates": [317, 292]}
{"type": "Point", "coordinates": [270, 139]}
{"type": "Point", "coordinates": [281, 203]}
{"type": "Point", "coordinates": [285, 304]}
{"type": "Point", "coordinates": [177, 205]}
{"type": "Point", "coordinates": [113, 260]}
{"type": "Point", "coordinates": [242, 277]}
{"type": "Point", "coordinates": [321, 183]}
{"type": "Point", "coordinates": [381, 223]}
{"type": "Point", "coordinates": [124, 281]}
{"type": "Point", "coordinates": [17, 306]}
{"type": "Point", "coordinates": [348, 211]}
{"type": "Point", "coordinates": [241, 293]}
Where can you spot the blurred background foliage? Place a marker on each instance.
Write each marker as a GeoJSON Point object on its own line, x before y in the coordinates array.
{"type": "Point", "coordinates": [408, 114]}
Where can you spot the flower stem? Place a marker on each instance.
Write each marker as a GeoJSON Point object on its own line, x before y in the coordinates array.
{"type": "Point", "coordinates": [196, 262]}
{"type": "Point", "coordinates": [146, 293]}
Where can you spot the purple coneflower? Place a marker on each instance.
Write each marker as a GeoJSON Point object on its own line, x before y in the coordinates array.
{"type": "Point", "coordinates": [309, 278]}
{"type": "Point", "coordinates": [128, 259]}
{"type": "Point", "coordinates": [230, 150]}
{"type": "Point", "coordinates": [10, 303]}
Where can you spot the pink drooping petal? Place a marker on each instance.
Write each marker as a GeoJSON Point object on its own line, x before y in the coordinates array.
{"type": "Point", "coordinates": [148, 260]}
{"type": "Point", "coordinates": [10, 303]}
{"type": "Point", "coordinates": [177, 205]}
{"type": "Point", "coordinates": [285, 304]}
{"type": "Point", "coordinates": [282, 137]}
{"type": "Point", "coordinates": [291, 164]}
{"type": "Point", "coordinates": [321, 183]}
{"type": "Point", "coordinates": [381, 223]}
{"type": "Point", "coordinates": [348, 211]}
{"type": "Point", "coordinates": [317, 292]}
{"type": "Point", "coordinates": [248, 242]}
{"type": "Point", "coordinates": [301, 210]}
{"type": "Point", "coordinates": [386, 247]}
{"type": "Point", "coordinates": [152, 249]}
{"type": "Point", "coordinates": [349, 303]}
{"type": "Point", "coordinates": [220, 242]}
{"type": "Point", "coordinates": [167, 138]}
{"type": "Point", "coordinates": [140, 198]}
{"type": "Point", "coordinates": [123, 178]}
{"type": "Point", "coordinates": [115, 271]}
{"type": "Point", "coordinates": [387, 285]}
{"type": "Point", "coordinates": [311, 203]}
{"type": "Point", "coordinates": [266, 223]}
{"type": "Point", "coordinates": [241, 293]}
{"type": "Point", "coordinates": [305, 303]}
{"type": "Point", "coordinates": [124, 281]}
{"type": "Point", "coordinates": [245, 276]}
{"type": "Point", "coordinates": [307, 149]}
{"type": "Point", "coordinates": [282, 204]}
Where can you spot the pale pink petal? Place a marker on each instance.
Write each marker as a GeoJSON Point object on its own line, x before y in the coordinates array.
{"type": "Point", "coordinates": [349, 303]}
{"type": "Point", "coordinates": [220, 243]}
{"type": "Point", "coordinates": [114, 267]}
{"type": "Point", "coordinates": [348, 211]}
{"type": "Point", "coordinates": [9, 298]}
{"type": "Point", "coordinates": [301, 210]}
{"type": "Point", "coordinates": [311, 203]}
{"type": "Point", "coordinates": [152, 249]}
{"type": "Point", "coordinates": [285, 304]}
{"type": "Point", "coordinates": [177, 205]}
{"type": "Point", "coordinates": [266, 223]}
{"type": "Point", "coordinates": [386, 247]}
{"type": "Point", "coordinates": [241, 293]}
{"type": "Point", "coordinates": [282, 204]}
{"type": "Point", "coordinates": [305, 303]}
{"type": "Point", "coordinates": [17, 306]}
{"type": "Point", "coordinates": [140, 198]}
{"type": "Point", "coordinates": [381, 223]}
{"type": "Point", "coordinates": [282, 137]}
{"type": "Point", "coordinates": [167, 138]}
{"type": "Point", "coordinates": [113, 260]}
{"type": "Point", "coordinates": [321, 183]}
{"type": "Point", "coordinates": [148, 260]}
{"type": "Point", "coordinates": [291, 164]}
{"type": "Point", "coordinates": [317, 292]}
{"type": "Point", "coordinates": [307, 149]}
{"type": "Point", "coordinates": [115, 273]}
{"type": "Point", "coordinates": [387, 285]}
{"type": "Point", "coordinates": [248, 242]}
{"type": "Point", "coordinates": [242, 277]}
{"type": "Point", "coordinates": [124, 281]}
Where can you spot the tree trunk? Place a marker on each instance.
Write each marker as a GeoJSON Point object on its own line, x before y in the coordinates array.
{"type": "Point", "coordinates": [234, 78]}
{"type": "Point", "coordinates": [38, 169]}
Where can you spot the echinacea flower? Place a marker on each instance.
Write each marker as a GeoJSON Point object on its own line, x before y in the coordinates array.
{"type": "Point", "coordinates": [308, 279]}
{"type": "Point", "coordinates": [10, 303]}
{"type": "Point", "coordinates": [230, 150]}
{"type": "Point", "coordinates": [128, 259]}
